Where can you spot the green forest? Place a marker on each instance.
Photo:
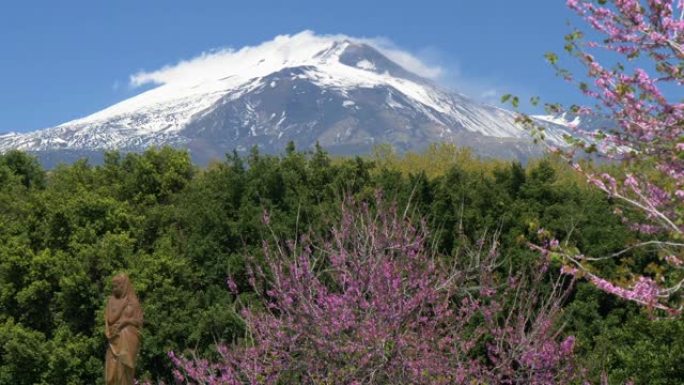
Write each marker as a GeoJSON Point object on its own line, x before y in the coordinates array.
{"type": "Point", "coordinates": [180, 230]}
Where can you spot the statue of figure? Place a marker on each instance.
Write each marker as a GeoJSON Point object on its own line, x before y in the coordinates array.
{"type": "Point", "coordinates": [123, 320]}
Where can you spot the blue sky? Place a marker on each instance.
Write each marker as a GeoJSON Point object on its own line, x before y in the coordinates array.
{"type": "Point", "coordinates": [61, 60]}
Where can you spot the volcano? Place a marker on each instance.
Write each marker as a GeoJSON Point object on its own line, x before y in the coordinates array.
{"type": "Point", "coordinates": [346, 94]}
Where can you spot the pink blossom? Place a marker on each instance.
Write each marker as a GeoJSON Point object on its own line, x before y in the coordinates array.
{"type": "Point", "coordinates": [232, 286]}
{"type": "Point", "coordinates": [388, 296]}
{"type": "Point", "coordinates": [674, 261]}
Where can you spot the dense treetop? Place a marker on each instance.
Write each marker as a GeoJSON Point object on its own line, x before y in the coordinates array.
{"type": "Point", "coordinates": [180, 231]}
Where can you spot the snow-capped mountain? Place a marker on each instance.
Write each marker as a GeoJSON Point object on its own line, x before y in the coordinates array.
{"type": "Point", "coordinates": [347, 94]}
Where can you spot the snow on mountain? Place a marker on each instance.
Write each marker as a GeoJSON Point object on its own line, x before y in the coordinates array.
{"type": "Point", "coordinates": [336, 90]}
{"type": "Point", "coordinates": [7, 134]}
{"type": "Point", "coordinates": [561, 120]}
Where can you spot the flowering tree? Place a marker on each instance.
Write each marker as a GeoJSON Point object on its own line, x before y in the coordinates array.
{"type": "Point", "coordinates": [641, 98]}
{"type": "Point", "coordinates": [372, 305]}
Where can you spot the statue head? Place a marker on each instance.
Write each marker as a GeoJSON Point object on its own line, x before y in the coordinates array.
{"type": "Point", "coordinates": [120, 285]}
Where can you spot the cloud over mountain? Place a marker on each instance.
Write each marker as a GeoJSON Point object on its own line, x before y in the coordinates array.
{"type": "Point", "coordinates": [282, 49]}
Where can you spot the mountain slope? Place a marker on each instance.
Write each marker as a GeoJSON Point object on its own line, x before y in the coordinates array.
{"type": "Point", "coordinates": [344, 93]}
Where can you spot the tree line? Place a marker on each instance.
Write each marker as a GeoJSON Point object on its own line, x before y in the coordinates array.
{"type": "Point", "coordinates": [181, 231]}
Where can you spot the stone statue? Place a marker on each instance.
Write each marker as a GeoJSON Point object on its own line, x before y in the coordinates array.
{"type": "Point", "coordinates": [123, 321]}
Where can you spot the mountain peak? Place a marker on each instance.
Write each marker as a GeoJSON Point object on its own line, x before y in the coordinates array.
{"type": "Point", "coordinates": [343, 92]}
{"type": "Point", "coordinates": [192, 86]}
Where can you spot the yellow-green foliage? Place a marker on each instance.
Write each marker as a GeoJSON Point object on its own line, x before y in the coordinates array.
{"type": "Point", "coordinates": [439, 158]}
{"type": "Point", "coordinates": [435, 161]}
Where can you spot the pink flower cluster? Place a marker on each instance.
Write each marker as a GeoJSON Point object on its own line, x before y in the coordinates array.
{"type": "Point", "coordinates": [373, 305]}
{"type": "Point", "coordinates": [645, 291]}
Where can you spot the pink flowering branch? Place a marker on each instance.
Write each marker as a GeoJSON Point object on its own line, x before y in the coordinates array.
{"type": "Point", "coordinates": [644, 291]}
{"type": "Point", "coordinates": [646, 137]}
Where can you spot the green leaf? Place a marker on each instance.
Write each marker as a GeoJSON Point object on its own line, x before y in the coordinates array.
{"type": "Point", "coordinates": [551, 57]}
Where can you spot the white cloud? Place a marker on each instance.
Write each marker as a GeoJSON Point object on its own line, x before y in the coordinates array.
{"type": "Point", "coordinates": [271, 55]}
{"type": "Point", "coordinates": [292, 50]}
{"type": "Point", "coordinates": [491, 95]}
{"type": "Point", "coordinates": [402, 57]}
